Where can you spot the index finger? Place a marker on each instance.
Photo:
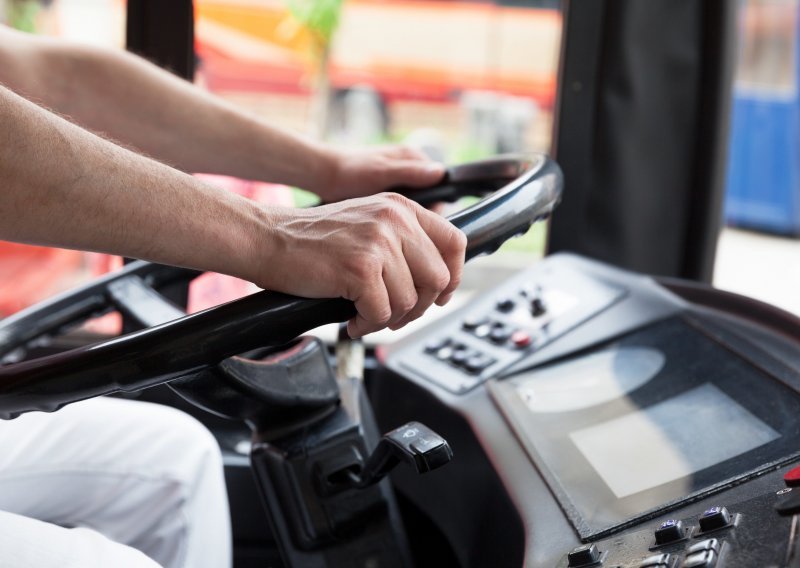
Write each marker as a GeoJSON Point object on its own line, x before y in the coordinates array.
{"type": "Point", "coordinates": [449, 240]}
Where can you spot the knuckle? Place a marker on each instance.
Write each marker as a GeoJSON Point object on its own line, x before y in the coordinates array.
{"type": "Point", "coordinates": [437, 279]}
{"type": "Point", "coordinates": [382, 316]}
{"type": "Point", "coordinates": [408, 302]}
{"type": "Point", "coordinates": [442, 279]}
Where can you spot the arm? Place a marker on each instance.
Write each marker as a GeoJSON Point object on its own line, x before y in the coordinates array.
{"type": "Point", "coordinates": [142, 106]}
{"type": "Point", "coordinates": [61, 185]}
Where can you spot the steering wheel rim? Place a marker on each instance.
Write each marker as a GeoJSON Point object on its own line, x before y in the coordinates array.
{"type": "Point", "coordinates": [177, 345]}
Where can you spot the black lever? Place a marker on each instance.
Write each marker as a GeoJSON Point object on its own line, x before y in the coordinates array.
{"type": "Point", "coordinates": [413, 443]}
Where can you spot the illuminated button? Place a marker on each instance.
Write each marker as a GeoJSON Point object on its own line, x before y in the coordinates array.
{"type": "Point", "coordinates": [654, 561]}
{"type": "Point", "coordinates": [478, 363]}
{"type": "Point", "coordinates": [708, 544]}
{"type": "Point", "coordinates": [521, 338]}
{"type": "Point", "coordinates": [792, 477]}
{"type": "Point", "coordinates": [704, 559]}
{"type": "Point", "coordinates": [473, 322]}
{"type": "Point", "coordinates": [669, 531]}
{"type": "Point", "coordinates": [585, 555]}
{"type": "Point", "coordinates": [434, 345]}
{"type": "Point", "coordinates": [715, 518]}
{"type": "Point", "coordinates": [506, 304]}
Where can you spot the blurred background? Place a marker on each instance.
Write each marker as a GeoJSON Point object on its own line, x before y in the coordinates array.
{"type": "Point", "coordinates": [460, 79]}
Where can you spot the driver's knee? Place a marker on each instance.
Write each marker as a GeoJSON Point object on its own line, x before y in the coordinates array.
{"type": "Point", "coordinates": [29, 543]}
{"type": "Point", "coordinates": [142, 474]}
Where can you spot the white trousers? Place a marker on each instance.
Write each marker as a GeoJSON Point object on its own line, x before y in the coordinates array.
{"type": "Point", "coordinates": [111, 483]}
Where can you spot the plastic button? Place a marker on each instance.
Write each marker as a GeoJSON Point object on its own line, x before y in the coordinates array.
{"type": "Point", "coordinates": [483, 331]}
{"type": "Point", "coordinates": [669, 531]}
{"type": "Point", "coordinates": [460, 356]}
{"type": "Point", "coordinates": [792, 477]}
{"type": "Point", "coordinates": [506, 304]}
{"type": "Point", "coordinates": [654, 561]}
{"type": "Point", "coordinates": [444, 353]}
{"type": "Point", "coordinates": [521, 338]}
{"type": "Point", "coordinates": [434, 345]}
{"type": "Point", "coordinates": [538, 307]}
{"type": "Point", "coordinates": [500, 334]}
{"type": "Point", "coordinates": [585, 555]}
{"type": "Point", "coordinates": [474, 322]}
{"type": "Point", "coordinates": [789, 504]}
{"type": "Point", "coordinates": [705, 559]}
{"type": "Point", "coordinates": [715, 518]}
{"type": "Point", "coordinates": [478, 363]}
{"type": "Point", "coordinates": [708, 544]}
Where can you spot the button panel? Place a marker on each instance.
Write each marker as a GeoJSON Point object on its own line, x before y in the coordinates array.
{"type": "Point", "coordinates": [504, 326]}
{"type": "Point", "coordinates": [586, 555]}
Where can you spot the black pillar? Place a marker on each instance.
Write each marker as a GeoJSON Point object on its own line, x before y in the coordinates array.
{"type": "Point", "coordinates": [642, 130]}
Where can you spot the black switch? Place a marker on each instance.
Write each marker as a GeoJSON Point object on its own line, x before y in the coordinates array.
{"type": "Point", "coordinates": [669, 531]}
{"type": "Point", "coordinates": [585, 555]}
{"type": "Point", "coordinates": [435, 344]}
{"type": "Point", "coordinates": [472, 322]}
{"type": "Point", "coordinates": [461, 355]}
{"type": "Point", "coordinates": [789, 504]}
{"type": "Point", "coordinates": [478, 362]}
{"type": "Point", "coordinates": [500, 334]}
{"type": "Point", "coordinates": [505, 305]}
{"type": "Point", "coordinates": [715, 518]}
{"type": "Point", "coordinates": [538, 307]}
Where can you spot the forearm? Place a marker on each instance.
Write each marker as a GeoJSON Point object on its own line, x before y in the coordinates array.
{"type": "Point", "coordinates": [65, 187]}
{"type": "Point", "coordinates": [142, 106]}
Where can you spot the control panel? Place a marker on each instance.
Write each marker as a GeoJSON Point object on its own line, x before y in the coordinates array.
{"type": "Point", "coordinates": [505, 326]}
{"type": "Point", "coordinates": [758, 532]}
{"type": "Point", "coordinates": [635, 423]}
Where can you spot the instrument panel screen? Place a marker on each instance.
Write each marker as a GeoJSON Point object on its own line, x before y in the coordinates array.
{"type": "Point", "coordinates": [670, 440]}
{"type": "Point", "coordinates": [641, 424]}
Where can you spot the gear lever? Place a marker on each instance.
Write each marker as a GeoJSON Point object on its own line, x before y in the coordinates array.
{"type": "Point", "coordinates": [413, 443]}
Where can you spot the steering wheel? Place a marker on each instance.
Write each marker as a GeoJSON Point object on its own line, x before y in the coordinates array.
{"type": "Point", "coordinates": [175, 345]}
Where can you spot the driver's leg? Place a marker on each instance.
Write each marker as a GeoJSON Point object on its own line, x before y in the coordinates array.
{"type": "Point", "coordinates": [28, 543]}
{"type": "Point", "coordinates": [141, 474]}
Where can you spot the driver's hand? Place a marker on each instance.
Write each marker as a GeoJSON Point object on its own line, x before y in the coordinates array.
{"type": "Point", "coordinates": [357, 173]}
{"type": "Point", "coordinates": [389, 255]}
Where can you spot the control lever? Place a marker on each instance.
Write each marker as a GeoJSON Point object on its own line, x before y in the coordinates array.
{"type": "Point", "coordinates": [413, 443]}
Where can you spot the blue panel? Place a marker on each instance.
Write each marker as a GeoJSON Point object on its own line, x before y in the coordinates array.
{"type": "Point", "coordinates": [763, 182]}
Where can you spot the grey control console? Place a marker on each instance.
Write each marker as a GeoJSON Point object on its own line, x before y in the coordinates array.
{"type": "Point", "coordinates": [632, 423]}
{"type": "Point", "coordinates": [506, 326]}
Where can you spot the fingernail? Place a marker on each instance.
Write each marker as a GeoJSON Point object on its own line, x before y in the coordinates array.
{"type": "Point", "coordinates": [435, 167]}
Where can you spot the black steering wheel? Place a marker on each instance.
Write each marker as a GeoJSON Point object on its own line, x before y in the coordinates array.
{"type": "Point", "coordinates": [523, 189]}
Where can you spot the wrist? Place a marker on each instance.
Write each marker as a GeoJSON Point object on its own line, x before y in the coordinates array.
{"type": "Point", "coordinates": [325, 165]}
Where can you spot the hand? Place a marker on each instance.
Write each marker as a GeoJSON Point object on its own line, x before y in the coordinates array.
{"type": "Point", "coordinates": [366, 172]}
{"type": "Point", "coordinates": [389, 255]}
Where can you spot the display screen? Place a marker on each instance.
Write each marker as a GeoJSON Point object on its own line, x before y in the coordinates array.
{"type": "Point", "coordinates": [644, 423]}
{"type": "Point", "coordinates": [670, 440]}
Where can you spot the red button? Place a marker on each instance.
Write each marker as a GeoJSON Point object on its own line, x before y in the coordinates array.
{"type": "Point", "coordinates": [792, 477]}
{"type": "Point", "coordinates": [521, 338]}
